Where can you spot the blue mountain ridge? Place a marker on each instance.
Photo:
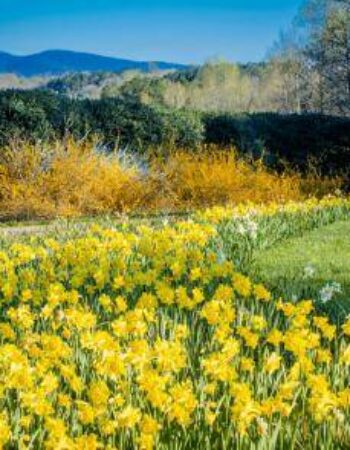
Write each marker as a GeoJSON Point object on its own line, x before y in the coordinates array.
{"type": "Point", "coordinates": [57, 62]}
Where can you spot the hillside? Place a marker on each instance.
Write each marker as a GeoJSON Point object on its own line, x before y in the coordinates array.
{"type": "Point", "coordinates": [56, 62]}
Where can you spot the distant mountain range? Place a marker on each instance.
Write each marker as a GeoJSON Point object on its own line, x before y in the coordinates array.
{"type": "Point", "coordinates": [58, 62]}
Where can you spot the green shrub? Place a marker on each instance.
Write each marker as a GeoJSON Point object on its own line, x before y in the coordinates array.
{"type": "Point", "coordinates": [297, 139]}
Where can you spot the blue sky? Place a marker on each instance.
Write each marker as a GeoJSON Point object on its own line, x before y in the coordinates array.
{"type": "Point", "coordinates": [181, 31]}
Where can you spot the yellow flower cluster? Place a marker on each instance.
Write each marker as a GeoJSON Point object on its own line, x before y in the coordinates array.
{"type": "Point", "coordinates": [218, 214]}
{"type": "Point", "coordinates": [146, 339]}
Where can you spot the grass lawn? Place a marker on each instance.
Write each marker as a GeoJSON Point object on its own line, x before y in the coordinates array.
{"type": "Point", "coordinates": [301, 267]}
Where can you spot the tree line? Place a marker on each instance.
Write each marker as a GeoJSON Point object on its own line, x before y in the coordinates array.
{"type": "Point", "coordinates": [128, 123]}
{"type": "Point", "coordinates": [307, 71]}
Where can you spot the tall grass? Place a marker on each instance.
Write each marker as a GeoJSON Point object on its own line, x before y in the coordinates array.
{"type": "Point", "coordinates": [75, 179]}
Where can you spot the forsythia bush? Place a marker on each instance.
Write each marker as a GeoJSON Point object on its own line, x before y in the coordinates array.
{"type": "Point", "coordinates": [149, 338]}
{"type": "Point", "coordinates": [77, 180]}
{"type": "Point", "coordinates": [211, 178]}
{"type": "Point", "coordinates": [68, 181]}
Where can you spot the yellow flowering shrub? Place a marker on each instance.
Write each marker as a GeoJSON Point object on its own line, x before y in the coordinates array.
{"type": "Point", "coordinates": [70, 180]}
{"type": "Point", "coordinates": [75, 179]}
